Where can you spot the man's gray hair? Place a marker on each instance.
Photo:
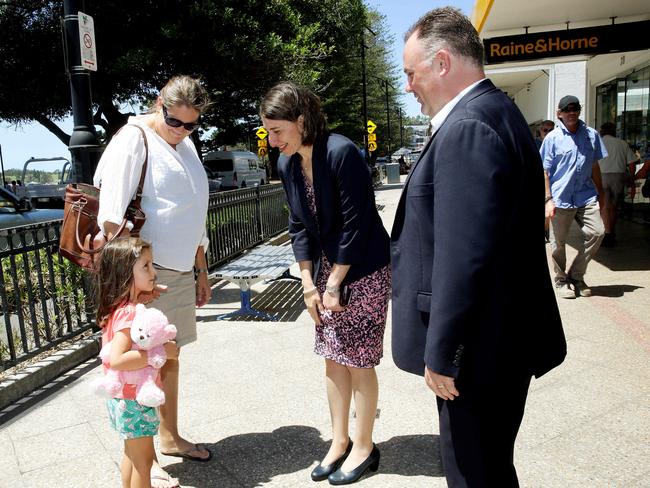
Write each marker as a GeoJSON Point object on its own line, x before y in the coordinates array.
{"type": "Point", "coordinates": [447, 27]}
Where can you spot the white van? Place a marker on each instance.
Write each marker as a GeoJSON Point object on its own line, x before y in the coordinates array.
{"type": "Point", "coordinates": [237, 169]}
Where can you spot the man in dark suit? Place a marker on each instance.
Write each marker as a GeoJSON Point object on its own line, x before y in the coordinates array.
{"type": "Point", "coordinates": [473, 306]}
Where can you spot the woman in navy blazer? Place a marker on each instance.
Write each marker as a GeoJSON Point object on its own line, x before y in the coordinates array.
{"type": "Point", "coordinates": [343, 252]}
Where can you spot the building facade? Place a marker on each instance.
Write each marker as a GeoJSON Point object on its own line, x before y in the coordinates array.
{"type": "Point", "coordinates": [596, 50]}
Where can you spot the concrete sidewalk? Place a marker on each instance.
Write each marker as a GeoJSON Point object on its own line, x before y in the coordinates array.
{"type": "Point", "coordinates": [254, 393]}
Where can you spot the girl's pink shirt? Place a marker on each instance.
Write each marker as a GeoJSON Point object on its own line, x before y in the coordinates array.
{"type": "Point", "coordinates": [120, 319]}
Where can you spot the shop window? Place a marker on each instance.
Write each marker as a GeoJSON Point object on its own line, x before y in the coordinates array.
{"type": "Point", "coordinates": [637, 111]}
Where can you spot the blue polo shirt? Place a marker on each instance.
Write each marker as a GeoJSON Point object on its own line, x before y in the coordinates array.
{"type": "Point", "coordinates": [568, 159]}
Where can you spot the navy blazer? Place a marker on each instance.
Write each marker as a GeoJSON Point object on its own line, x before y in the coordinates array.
{"type": "Point", "coordinates": [349, 229]}
{"type": "Point", "coordinates": [471, 285]}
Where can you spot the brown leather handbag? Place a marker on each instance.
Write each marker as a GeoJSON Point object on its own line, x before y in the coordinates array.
{"type": "Point", "coordinates": [81, 239]}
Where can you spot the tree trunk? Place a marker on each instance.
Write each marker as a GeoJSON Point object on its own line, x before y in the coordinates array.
{"type": "Point", "coordinates": [114, 117]}
{"type": "Point", "coordinates": [54, 129]}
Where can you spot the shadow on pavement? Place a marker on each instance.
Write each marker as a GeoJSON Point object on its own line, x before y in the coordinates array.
{"type": "Point", "coordinates": [282, 299]}
{"type": "Point", "coordinates": [632, 249]}
{"type": "Point", "coordinates": [613, 290]}
{"type": "Point", "coordinates": [42, 394]}
{"type": "Point", "coordinates": [249, 460]}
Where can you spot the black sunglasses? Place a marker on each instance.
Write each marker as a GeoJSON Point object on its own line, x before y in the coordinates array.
{"type": "Point", "coordinates": [173, 122]}
{"type": "Point", "coordinates": [546, 129]}
{"type": "Point", "coordinates": [571, 108]}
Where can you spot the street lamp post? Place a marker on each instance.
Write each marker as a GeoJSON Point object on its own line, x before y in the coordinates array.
{"type": "Point", "coordinates": [401, 129]}
{"type": "Point", "coordinates": [364, 90]}
{"type": "Point", "coordinates": [83, 144]}
{"type": "Point", "coordinates": [386, 83]}
{"type": "Point", "coordinates": [365, 95]}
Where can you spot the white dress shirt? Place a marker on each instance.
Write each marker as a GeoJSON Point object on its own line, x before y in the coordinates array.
{"type": "Point", "coordinates": [441, 116]}
{"type": "Point", "coordinates": [175, 192]}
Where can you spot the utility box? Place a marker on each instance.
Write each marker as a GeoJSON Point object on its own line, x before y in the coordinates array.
{"type": "Point", "coordinates": [392, 173]}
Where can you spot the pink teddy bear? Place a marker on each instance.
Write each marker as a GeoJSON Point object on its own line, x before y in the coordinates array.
{"type": "Point", "coordinates": [149, 331]}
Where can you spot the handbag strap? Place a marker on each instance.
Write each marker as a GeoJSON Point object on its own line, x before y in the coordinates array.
{"type": "Point", "coordinates": [136, 199]}
{"type": "Point", "coordinates": [143, 172]}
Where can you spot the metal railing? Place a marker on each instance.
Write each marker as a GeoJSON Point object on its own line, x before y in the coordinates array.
{"type": "Point", "coordinates": [240, 219]}
{"type": "Point", "coordinates": [45, 300]}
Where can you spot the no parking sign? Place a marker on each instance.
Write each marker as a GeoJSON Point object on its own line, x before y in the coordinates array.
{"type": "Point", "coordinates": [87, 42]}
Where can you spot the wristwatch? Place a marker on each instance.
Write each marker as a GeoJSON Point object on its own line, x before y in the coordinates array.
{"type": "Point", "coordinates": [332, 290]}
{"type": "Point", "coordinates": [201, 270]}
{"type": "Point", "coordinates": [547, 199]}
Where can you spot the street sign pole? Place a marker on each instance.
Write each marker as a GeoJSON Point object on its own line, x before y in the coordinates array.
{"type": "Point", "coordinates": [401, 129]}
{"type": "Point", "coordinates": [387, 114]}
{"type": "Point", "coordinates": [84, 144]}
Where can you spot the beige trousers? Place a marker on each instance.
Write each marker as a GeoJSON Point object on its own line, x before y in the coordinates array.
{"type": "Point", "coordinates": [591, 225]}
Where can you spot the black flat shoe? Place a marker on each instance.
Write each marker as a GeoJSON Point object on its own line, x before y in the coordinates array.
{"type": "Point", "coordinates": [321, 472]}
{"type": "Point", "coordinates": [371, 463]}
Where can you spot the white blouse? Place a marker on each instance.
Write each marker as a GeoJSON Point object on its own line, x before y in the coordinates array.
{"type": "Point", "coordinates": [174, 196]}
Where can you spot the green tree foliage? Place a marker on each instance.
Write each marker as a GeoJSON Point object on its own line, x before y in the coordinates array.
{"type": "Point", "coordinates": [238, 47]}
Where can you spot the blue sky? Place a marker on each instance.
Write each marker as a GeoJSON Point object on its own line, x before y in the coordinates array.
{"type": "Point", "coordinates": [20, 144]}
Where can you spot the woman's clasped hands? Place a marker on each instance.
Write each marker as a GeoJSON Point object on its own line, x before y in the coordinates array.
{"type": "Point", "coordinates": [324, 305]}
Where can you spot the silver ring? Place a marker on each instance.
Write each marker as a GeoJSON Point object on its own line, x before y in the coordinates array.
{"type": "Point", "coordinates": [441, 386]}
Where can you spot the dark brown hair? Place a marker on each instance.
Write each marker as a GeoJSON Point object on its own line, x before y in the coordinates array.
{"type": "Point", "coordinates": [608, 129]}
{"type": "Point", "coordinates": [447, 27]}
{"type": "Point", "coordinates": [288, 101]}
{"type": "Point", "coordinates": [115, 274]}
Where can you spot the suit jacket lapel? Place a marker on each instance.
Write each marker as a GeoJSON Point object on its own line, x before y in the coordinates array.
{"type": "Point", "coordinates": [484, 86]}
{"type": "Point", "coordinates": [300, 195]}
{"type": "Point", "coordinates": [424, 151]}
{"type": "Point", "coordinates": [401, 206]}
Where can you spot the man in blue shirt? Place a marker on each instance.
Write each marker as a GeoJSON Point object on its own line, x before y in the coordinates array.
{"type": "Point", "coordinates": [570, 155]}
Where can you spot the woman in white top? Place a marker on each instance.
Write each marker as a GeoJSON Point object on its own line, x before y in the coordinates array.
{"type": "Point", "coordinates": [175, 201]}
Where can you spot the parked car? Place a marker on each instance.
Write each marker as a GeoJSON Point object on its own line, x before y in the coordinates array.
{"type": "Point", "coordinates": [15, 212]}
{"type": "Point", "coordinates": [237, 169]}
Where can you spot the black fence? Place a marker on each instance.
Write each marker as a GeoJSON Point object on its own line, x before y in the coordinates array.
{"type": "Point", "coordinates": [45, 300]}
{"type": "Point", "coordinates": [240, 219]}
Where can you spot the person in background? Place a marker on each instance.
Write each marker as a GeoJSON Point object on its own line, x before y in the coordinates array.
{"type": "Point", "coordinates": [545, 127]}
{"type": "Point", "coordinates": [460, 319]}
{"type": "Point", "coordinates": [570, 155]}
{"type": "Point", "coordinates": [614, 170]}
{"type": "Point", "coordinates": [342, 249]}
{"type": "Point", "coordinates": [175, 201]}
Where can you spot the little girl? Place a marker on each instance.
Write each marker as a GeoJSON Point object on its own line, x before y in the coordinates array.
{"type": "Point", "coordinates": [125, 271]}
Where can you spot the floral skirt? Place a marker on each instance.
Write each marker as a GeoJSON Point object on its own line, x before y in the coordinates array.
{"type": "Point", "coordinates": [355, 336]}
